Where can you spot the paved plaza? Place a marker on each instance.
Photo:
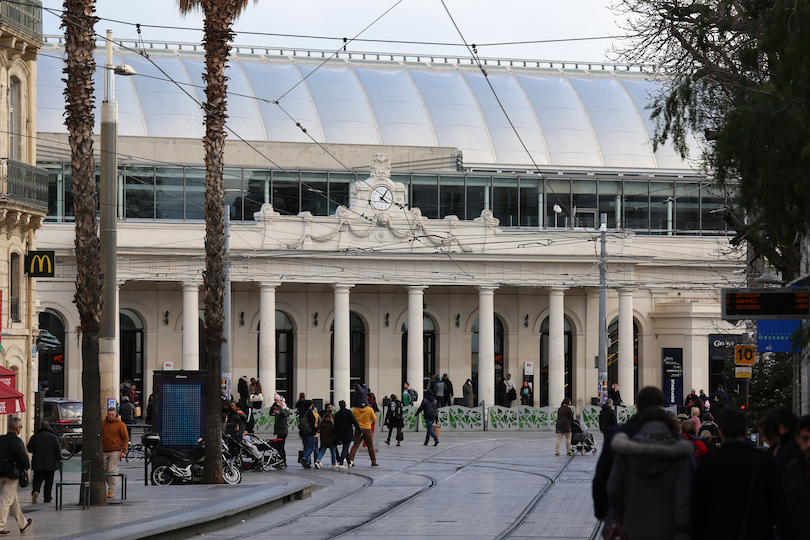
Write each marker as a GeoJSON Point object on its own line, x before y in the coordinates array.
{"type": "Point", "coordinates": [482, 485]}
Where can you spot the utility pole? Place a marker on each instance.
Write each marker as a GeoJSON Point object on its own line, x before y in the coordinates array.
{"type": "Point", "coordinates": [602, 362]}
{"type": "Point", "coordinates": [226, 327]}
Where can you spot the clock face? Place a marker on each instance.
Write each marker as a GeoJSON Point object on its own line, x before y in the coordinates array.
{"type": "Point", "coordinates": [381, 198]}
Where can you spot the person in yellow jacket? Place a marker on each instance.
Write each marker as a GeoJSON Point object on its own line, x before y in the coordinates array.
{"type": "Point", "coordinates": [364, 416]}
{"type": "Point", "coordinates": [114, 443]}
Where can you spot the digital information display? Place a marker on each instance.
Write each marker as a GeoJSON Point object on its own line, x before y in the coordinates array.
{"type": "Point", "coordinates": [762, 303]}
{"type": "Point", "coordinates": [179, 407]}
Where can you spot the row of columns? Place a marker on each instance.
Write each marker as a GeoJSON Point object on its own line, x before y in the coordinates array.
{"type": "Point", "coordinates": [415, 351]}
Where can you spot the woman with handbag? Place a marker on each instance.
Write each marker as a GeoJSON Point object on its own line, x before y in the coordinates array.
{"type": "Point", "coordinates": [256, 396]}
{"type": "Point", "coordinates": [649, 482]}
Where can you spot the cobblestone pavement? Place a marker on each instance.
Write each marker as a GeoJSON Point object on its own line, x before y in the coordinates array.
{"type": "Point", "coordinates": [473, 485]}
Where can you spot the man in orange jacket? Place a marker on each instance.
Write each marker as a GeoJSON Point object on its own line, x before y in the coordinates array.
{"type": "Point", "coordinates": [114, 443]}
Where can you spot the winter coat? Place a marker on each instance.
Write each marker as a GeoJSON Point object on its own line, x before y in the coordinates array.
{"type": "Point", "coordinates": [327, 430]}
{"type": "Point", "coordinates": [12, 450]}
{"type": "Point", "coordinates": [649, 483]}
{"type": "Point", "coordinates": [500, 393]}
{"type": "Point", "coordinates": [448, 387]}
{"type": "Point", "coordinates": [307, 418]}
{"type": "Point", "coordinates": [605, 463]}
{"type": "Point", "coordinates": [469, 398]}
{"type": "Point", "coordinates": [615, 395]}
{"type": "Point", "coordinates": [564, 418]}
{"type": "Point", "coordinates": [345, 424]}
{"type": "Point", "coordinates": [607, 418]}
{"type": "Point", "coordinates": [127, 412]}
{"type": "Point", "coordinates": [280, 427]}
{"type": "Point", "coordinates": [391, 418]}
{"type": "Point", "coordinates": [46, 450]}
{"type": "Point", "coordinates": [797, 489]}
{"type": "Point", "coordinates": [114, 437]}
{"type": "Point", "coordinates": [361, 395]}
{"type": "Point", "coordinates": [753, 497]}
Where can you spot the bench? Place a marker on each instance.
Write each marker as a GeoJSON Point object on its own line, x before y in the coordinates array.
{"type": "Point", "coordinates": [82, 467]}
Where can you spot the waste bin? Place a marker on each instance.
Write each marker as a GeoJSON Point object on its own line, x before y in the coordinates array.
{"type": "Point", "coordinates": [595, 401]}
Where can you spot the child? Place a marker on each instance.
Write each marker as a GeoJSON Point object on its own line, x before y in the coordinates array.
{"type": "Point", "coordinates": [328, 439]}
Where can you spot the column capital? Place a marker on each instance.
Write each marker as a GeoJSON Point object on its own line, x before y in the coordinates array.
{"type": "Point", "coordinates": [342, 287]}
{"type": "Point", "coordinates": [415, 288]}
{"type": "Point", "coordinates": [487, 289]}
{"type": "Point", "coordinates": [627, 289]}
{"type": "Point", "coordinates": [193, 283]}
{"type": "Point", "coordinates": [264, 285]}
{"type": "Point", "coordinates": [557, 291]}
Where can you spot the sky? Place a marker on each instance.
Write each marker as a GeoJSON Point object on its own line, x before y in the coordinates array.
{"type": "Point", "coordinates": [481, 22]}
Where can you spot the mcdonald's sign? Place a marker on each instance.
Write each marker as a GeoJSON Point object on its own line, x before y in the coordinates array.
{"type": "Point", "coordinates": [40, 263]}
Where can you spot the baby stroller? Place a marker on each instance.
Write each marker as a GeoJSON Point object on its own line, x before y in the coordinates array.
{"type": "Point", "coordinates": [255, 454]}
{"type": "Point", "coordinates": [581, 440]}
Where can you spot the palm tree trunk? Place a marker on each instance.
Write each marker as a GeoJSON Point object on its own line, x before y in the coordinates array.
{"type": "Point", "coordinates": [78, 21]}
{"type": "Point", "coordinates": [219, 17]}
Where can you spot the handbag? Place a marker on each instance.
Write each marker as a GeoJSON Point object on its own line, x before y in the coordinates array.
{"type": "Point", "coordinates": [615, 529]}
{"type": "Point", "coordinates": [138, 411]}
{"type": "Point", "coordinates": [21, 474]}
{"type": "Point", "coordinates": [437, 429]}
{"type": "Point", "coordinates": [257, 397]}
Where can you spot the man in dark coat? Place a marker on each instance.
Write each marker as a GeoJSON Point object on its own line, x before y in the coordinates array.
{"type": "Point", "coordinates": [448, 390]}
{"type": "Point", "coordinates": [500, 392]}
{"type": "Point", "coordinates": [607, 416]}
{"type": "Point", "coordinates": [243, 389]}
{"type": "Point", "coordinates": [753, 495]}
{"type": "Point", "coordinates": [615, 395]}
{"type": "Point", "coordinates": [649, 396]}
{"type": "Point", "coordinates": [47, 453]}
{"type": "Point", "coordinates": [12, 451]}
{"type": "Point", "coordinates": [345, 424]}
{"type": "Point", "coordinates": [797, 480]}
{"type": "Point", "coordinates": [786, 422]}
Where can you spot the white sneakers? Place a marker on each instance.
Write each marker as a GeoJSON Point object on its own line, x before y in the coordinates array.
{"type": "Point", "coordinates": [335, 466]}
{"type": "Point", "coordinates": [317, 464]}
{"type": "Point", "coordinates": [342, 467]}
{"type": "Point", "coordinates": [351, 463]}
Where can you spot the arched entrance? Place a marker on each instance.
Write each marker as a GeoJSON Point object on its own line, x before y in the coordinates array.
{"type": "Point", "coordinates": [544, 361]}
{"type": "Point", "coordinates": [498, 353]}
{"type": "Point", "coordinates": [357, 355]}
{"type": "Point", "coordinates": [131, 348]}
{"type": "Point", "coordinates": [52, 362]}
{"type": "Point", "coordinates": [428, 351]}
{"type": "Point", "coordinates": [613, 357]}
{"type": "Point", "coordinates": [285, 384]}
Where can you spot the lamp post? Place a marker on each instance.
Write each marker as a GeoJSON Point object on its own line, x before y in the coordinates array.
{"type": "Point", "coordinates": [109, 367]}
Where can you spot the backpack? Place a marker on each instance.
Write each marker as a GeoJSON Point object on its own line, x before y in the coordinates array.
{"type": "Point", "coordinates": [431, 409]}
{"type": "Point", "coordinates": [396, 410]}
{"type": "Point", "coordinates": [711, 427]}
{"type": "Point", "coordinates": [414, 395]}
{"type": "Point", "coordinates": [303, 425]}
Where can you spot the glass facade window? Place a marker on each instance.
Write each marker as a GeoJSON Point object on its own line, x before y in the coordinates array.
{"type": "Point", "coordinates": [662, 207]}
{"type": "Point", "coordinates": [286, 193]}
{"type": "Point", "coordinates": [478, 193]}
{"type": "Point", "coordinates": [687, 207]}
{"type": "Point", "coordinates": [257, 191]}
{"type": "Point", "coordinates": [531, 200]}
{"type": "Point", "coordinates": [637, 205]}
{"type": "Point", "coordinates": [712, 198]}
{"type": "Point", "coordinates": [558, 193]}
{"type": "Point", "coordinates": [234, 193]}
{"type": "Point", "coordinates": [194, 206]}
{"type": "Point", "coordinates": [425, 194]}
{"type": "Point", "coordinates": [505, 200]}
{"type": "Point", "coordinates": [139, 193]}
{"type": "Point", "coordinates": [170, 196]}
{"type": "Point", "coordinates": [451, 196]}
{"type": "Point", "coordinates": [584, 203]}
{"type": "Point", "coordinates": [610, 202]}
{"type": "Point", "coordinates": [339, 186]}
{"type": "Point", "coordinates": [56, 192]}
{"type": "Point", "coordinates": [314, 193]}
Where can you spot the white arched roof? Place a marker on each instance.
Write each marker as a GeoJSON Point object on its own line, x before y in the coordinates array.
{"type": "Point", "coordinates": [577, 118]}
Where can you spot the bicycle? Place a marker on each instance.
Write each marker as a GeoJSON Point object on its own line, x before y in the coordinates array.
{"type": "Point", "coordinates": [67, 446]}
{"type": "Point", "coordinates": [136, 451]}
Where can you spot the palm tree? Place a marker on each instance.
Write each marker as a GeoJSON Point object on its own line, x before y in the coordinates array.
{"type": "Point", "coordinates": [78, 21]}
{"type": "Point", "coordinates": [219, 16]}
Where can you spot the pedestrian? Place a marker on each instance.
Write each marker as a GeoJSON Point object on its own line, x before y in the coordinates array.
{"type": "Point", "coordinates": [238, 419]}
{"type": "Point", "coordinates": [364, 416]}
{"type": "Point", "coordinates": [440, 389]}
{"type": "Point", "coordinates": [709, 427]}
{"type": "Point", "coordinates": [565, 415]}
{"type": "Point", "coordinates": [705, 400]}
{"type": "Point", "coordinates": [511, 391]}
{"type": "Point", "coordinates": [372, 402]}
{"type": "Point", "coordinates": [301, 403]}
{"type": "Point", "coordinates": [753, 503]}
{"type": "Point", "coordinates": [393, 419]}
{"type": "Point", "coordinates": [607, 416]}
{"type": "Point", "coordinates": [615, 395]}
{"type": "Point", "coordinates": [114, 443]}
{"type": "Point", "coordinates": [327, 432]}
{"type": "Point", "coordinates": [135, 399]}
{"type": "Point", "coordinates": [649, 481]}
{"type": "Point", "coordinates": [689, 433]}
{"type": "Point", "coordinates": [280, 401]}
{"type": "Point", "coordinates": [785, 423]}
{"type": "Point", "coordinates": [469, 397]}
{"type": "Point", "coordinates": [648, 397]}
{"type": "Point", "coordinates": [307, 430]}
{"type": "Point", "coordinates": [127, 413]}
{"type": "Point", "coordinates": [256, 396]}
{"type": "Point", "coordinates": [720, 395]}
{"type": "Point", "coordinates": [150, 409]}
{"type": "Point", "coordinates": [797, 480]}
{"type": "Point", "coordinates": [409, 395]}
{"type": "Point", "coordinates": [500, 392]}
{"type": "Point", "coordinates": [13, 465]}
{"type": "Point", "coordinates": [696, 417]}
{"type": "Point", "coordinates": [46, 455]}
{"type": "Point", "coordinates": [690, 400]}
{"type": "Point", "coordinates": [526, 394]}
{"type": "Point", "coordinates": [360, 395]}
{"type": "Point", "coordinates": [431, 409]}
{"type": "Point", "coordinates": [448, 390]}
{"type": "Point", "coordinates": [345, 424]}
{"type": "Point", "coordinates": [243, 388]}
{"type": "Point", "coordinates": [280, 428]}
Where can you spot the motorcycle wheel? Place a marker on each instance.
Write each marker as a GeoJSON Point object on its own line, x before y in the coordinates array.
{"type": "Point", "coordinates": [231, 474]}
{"type": "Point", "coordinates": [162, 476]}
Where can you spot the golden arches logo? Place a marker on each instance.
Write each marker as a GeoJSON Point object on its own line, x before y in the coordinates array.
{"type": "Point", "coordinates": [40, 263]}
{"type": "Point", "coordinates": [42, 260]}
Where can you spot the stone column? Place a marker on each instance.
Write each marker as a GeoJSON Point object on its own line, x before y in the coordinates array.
{"type": "Point", "coordinates": [342, 350]}
{"type": "Point", "coordinates": [626, 376]}
{"type": "Point", "coordinates": [191, 325]}
{"type": "Point", "coordinates": [556, 347]}
{"type": "Point", "coordinates": [416, 359]}
{"type": "Point", "coordinates": [267, 339]}
{"type": "Point", "coordinates": [486, 345]}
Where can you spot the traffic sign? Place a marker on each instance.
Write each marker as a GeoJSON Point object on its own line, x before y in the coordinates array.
{"type": "Point", "coordinates": [742, 372]}
{"type": "Point", "coordinates": [745, 355]}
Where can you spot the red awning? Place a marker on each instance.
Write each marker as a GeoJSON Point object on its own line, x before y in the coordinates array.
{"type": "Point", "coordinates": [7, 377]}
{"type": "Point", "coordinates": [11, 401]}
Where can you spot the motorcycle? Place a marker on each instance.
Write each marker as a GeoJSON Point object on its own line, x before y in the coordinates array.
{"type": "Point", "coordinates": [170, 466]}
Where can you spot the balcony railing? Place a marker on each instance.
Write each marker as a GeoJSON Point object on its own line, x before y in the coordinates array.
{"type": "Point", "coordinates": [23, 183]}
{"type": "Point", "coordinates": [24, 15]}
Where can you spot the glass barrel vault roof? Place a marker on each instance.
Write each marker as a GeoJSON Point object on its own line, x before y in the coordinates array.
{"type": "Point", "coordinates": [576, 118]}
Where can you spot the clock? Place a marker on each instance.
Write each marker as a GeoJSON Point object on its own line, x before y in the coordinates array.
{"type": "Point", "coordinates": [381, 198]}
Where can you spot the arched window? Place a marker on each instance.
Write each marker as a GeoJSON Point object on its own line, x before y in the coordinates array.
{"type": "Point", "coordinates": [428, 351]}
{"type": "Point", "coordinates": [14, 286]}
{"type": "Point", "coordinates": [285, 382]}
{"type": "Point", "coordinates": [498, 351]}
{"type": "Point", "coordinates": [131, 348]}
{"type": "Point", "coordinates": [357, 355]}
{"type": "Point", "coordinates": [613, 358]}
{"type": "Point", "coordinates": [14, 119]}
{"type": "Point", "coordinates": [544, 361]}
{"type": "Point", "coordinates": [52, 361]}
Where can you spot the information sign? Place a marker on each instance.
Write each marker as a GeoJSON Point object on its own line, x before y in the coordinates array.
{"type": "Point", "coordinates": [742, 372]}
{"type": "Point", "coordinates": [745, 355]}
{"type": "Point", "coordinates": [762, 303]}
